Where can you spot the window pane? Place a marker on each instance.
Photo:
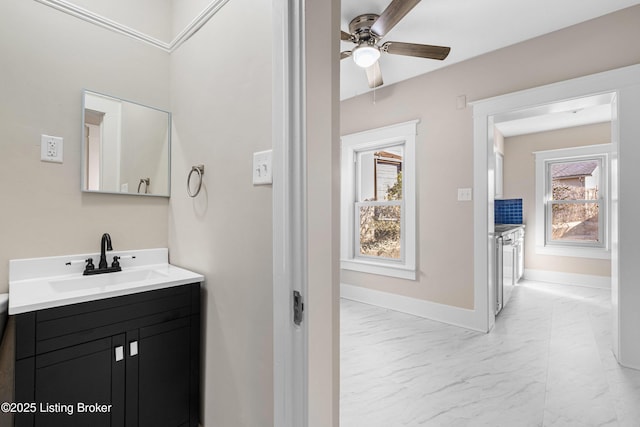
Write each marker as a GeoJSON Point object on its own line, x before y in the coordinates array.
{"type": "Point", "coordinates": [388, 178]}
{"type": "Point", "coordinates": [380, 231]}
{"type": "Point", "coordinates": [576, 180]}
{"type": "Point", "coordinates": [574, 222]}
{"type": "Point", "coordinates": [380, 174]}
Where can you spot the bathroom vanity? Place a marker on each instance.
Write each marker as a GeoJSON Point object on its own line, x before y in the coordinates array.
{"type": "Point", "coordinates": [127, 353]}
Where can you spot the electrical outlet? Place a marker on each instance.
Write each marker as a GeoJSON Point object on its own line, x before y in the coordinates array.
{"type": "Point", "coordinates": [464, 194]}
{"type": "Point", "coordinates": [51, 149]}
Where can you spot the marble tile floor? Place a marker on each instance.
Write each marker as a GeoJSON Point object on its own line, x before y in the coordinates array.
{"type": "Point", "coordinates": [547, 362]}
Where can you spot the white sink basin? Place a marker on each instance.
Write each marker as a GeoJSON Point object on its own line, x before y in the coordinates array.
{"type": "Point", "coordinates": [41, 283]}
{"type": "Point", "coordinates": [104, 280]}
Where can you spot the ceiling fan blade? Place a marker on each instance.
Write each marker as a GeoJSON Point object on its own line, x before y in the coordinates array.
{"type": "Point", "coordinates": [345, 36]}
{"type": "Point", "coordinates": [414, 49]}
{"type": "Point", "coordinates": [396, 10]}
{"type": "Point", "coordinates": [374, 76]}
{"type": "Point", "coordinates": [345, 54]}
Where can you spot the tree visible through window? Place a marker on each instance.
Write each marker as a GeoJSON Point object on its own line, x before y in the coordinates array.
{"type": "Point", "coordinates": [380, 216]}
{"type": "Point", "coordinates": [575, 201]}
{"type": "Point", "coordinates": [572, 202]}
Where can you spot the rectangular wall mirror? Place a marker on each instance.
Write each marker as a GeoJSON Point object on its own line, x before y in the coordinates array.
{"type": "Point", "coordinates": [125, 147]}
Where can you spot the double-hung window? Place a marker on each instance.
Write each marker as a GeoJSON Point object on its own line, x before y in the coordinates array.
{"type": "Point", "coordinates": [378, 201]}
{"type": "Point", "coordinates": [572, 201]}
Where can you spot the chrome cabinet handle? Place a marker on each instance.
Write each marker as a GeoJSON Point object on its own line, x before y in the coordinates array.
{"type": "Point", "coordinates": [119, 353]}
{"type": "Point", "coordinates": [133, 348]}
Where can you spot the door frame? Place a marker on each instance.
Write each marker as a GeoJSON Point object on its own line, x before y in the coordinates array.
{"type": "Point", "coordinates": [290, 358]}
{"type": "Point", "coordinates": [625, 84]}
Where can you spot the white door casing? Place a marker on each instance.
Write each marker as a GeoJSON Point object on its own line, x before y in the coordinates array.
{"type": "Point", "coordinates": [289, 216]}
{"type": "Point", "coordinates": [624, 84]}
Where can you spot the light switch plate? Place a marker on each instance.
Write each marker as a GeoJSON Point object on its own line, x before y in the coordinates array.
{"type": "Point", "coordinates": [262, 173]}
{"type": "Point", "coordinates": [461, 102]}
{"type": "Point", "coordinates": [464, 194]}
{"type": "Point", "coordinates": [51, 149]}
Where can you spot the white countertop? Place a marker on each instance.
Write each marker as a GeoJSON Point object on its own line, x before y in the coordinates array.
{"type": "Point", "coordinates": [40, 283]}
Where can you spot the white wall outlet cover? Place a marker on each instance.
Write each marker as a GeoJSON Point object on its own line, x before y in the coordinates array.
{"type": "Point", "coordinates": [464, 194]}
{"type": "Point", "coordinates": [262, 168]}
{"type": "Point", "coordinates": [51, 149]}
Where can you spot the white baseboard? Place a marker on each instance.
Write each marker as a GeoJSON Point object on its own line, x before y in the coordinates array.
{"type": "Point", "coordinates": [600, 282]}
{"type": "Point", "coordinates": [451, 315]}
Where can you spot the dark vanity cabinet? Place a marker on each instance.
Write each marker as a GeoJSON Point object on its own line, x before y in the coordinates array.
{"type": "Point", "coordinates": [130, 361]}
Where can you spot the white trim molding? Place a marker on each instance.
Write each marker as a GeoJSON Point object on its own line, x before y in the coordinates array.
{"type": "Point", "coordinates": [542, 188]}
{"type": "Point", "coordinates": [101, 21]}
{"type": "Point", "coordinates": [290, 243]}
{"type": "Point", "coordinates": [399, 134]}
{"type": "Point", "coordinates": [587, 280]}
{"type": "Point", "coordinates": [449, 314]}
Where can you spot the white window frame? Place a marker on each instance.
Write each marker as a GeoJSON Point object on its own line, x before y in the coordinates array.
{"type": "Point", "coordinates": [400, 134]}
{"type": "Point", "coordinates": [600, 250]}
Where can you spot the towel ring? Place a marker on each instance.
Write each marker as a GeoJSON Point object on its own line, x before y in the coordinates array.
{"type": "Point", "coordinates": [200, 171]}
{"type": "Point", "coordinates": [146, 182]}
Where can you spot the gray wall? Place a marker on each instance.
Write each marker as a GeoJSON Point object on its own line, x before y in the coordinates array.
{"type": "Point", "coordinates": [221, 104]}
{"type": "Point", "coordinates": [221, 100]}
{"type": "Point", "coordinates": [47, 58]}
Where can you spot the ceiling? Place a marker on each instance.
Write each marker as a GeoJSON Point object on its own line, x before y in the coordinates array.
{"type": "Point", "coordinates": [469, 27]}
{"type": "Point", "coordinates": [586, 111]}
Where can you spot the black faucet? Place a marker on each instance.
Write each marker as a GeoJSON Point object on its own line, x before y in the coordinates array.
{"type": "Point", "coordinates": [105, 245]}
{"type": "Point", "coordinates": [103, 267]}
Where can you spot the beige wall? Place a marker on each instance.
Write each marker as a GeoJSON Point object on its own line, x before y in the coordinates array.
{"type": "Point", "coordinates": [445, 138]}
{"type": "Point", "coordinates": [323, 186]}
{"type": "Point", "coordinates": [47, 58]}
{"type": "Point", "coordinates": [498, 141]}
{"type": "Point", "coordinates": [519, 182]}
{"type": "Point", "coordinates": [221, 104]}
{"type": "Point", "coordinates": [152, 17]}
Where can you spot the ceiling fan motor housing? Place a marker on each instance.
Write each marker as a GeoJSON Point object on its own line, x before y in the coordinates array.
{"type": "Point", "coordinates": [360, 26]}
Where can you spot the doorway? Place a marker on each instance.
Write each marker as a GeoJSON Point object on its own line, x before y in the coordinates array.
{"type": "Point", "coordinates": [552, 165]}
{"type": "Point", "coordinates": [622, 86]}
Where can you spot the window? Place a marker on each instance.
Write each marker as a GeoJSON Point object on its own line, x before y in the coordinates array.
{"type": "Point", "coordinates": [378, 208]}
{"type": "Point", "coordinates": [571, 208]}
{"type": "Point", "coordinates": [378, 201]}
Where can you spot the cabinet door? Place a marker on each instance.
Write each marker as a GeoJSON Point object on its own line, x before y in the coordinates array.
{"type": "Point", "coordinates": [86, 374]}
{"type": "Point", "coordinates": [163, 367]}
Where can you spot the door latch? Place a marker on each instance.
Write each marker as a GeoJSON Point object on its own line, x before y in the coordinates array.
{"type": "Point", "coordinates": [298, 308]}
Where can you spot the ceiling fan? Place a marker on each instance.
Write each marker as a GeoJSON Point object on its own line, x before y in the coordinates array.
{"type": "Point", "coordinates": [368, 29]}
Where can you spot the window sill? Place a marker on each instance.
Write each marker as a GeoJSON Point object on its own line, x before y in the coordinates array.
{"type": "Point", "coordinates": [383, 269]}
{"type": "Point", "coordinates": [578, 252]}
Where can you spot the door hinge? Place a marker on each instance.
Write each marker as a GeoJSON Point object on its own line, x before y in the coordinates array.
{"type": "Point", "coordinates": [298, 307]}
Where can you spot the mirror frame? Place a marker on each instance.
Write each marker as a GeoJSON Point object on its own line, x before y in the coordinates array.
{"type": "Point", "coordinates": [83, 177]}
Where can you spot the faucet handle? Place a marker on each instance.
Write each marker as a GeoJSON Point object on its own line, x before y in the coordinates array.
{"type": "Point", "coordinates": [116, 262]}
{"type": "Point", "coordinates": [90, 265]}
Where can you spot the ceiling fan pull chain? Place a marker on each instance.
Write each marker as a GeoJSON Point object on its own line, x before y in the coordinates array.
{"type": "Point", "coordinates": [374, 91]}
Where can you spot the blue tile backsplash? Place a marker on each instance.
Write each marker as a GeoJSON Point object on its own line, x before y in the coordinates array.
{"type": "Point", "coordinates": [508, 211]}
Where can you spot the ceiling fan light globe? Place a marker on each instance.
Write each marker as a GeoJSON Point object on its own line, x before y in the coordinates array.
{"type": "Point", "coordinates": [365, 56]}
